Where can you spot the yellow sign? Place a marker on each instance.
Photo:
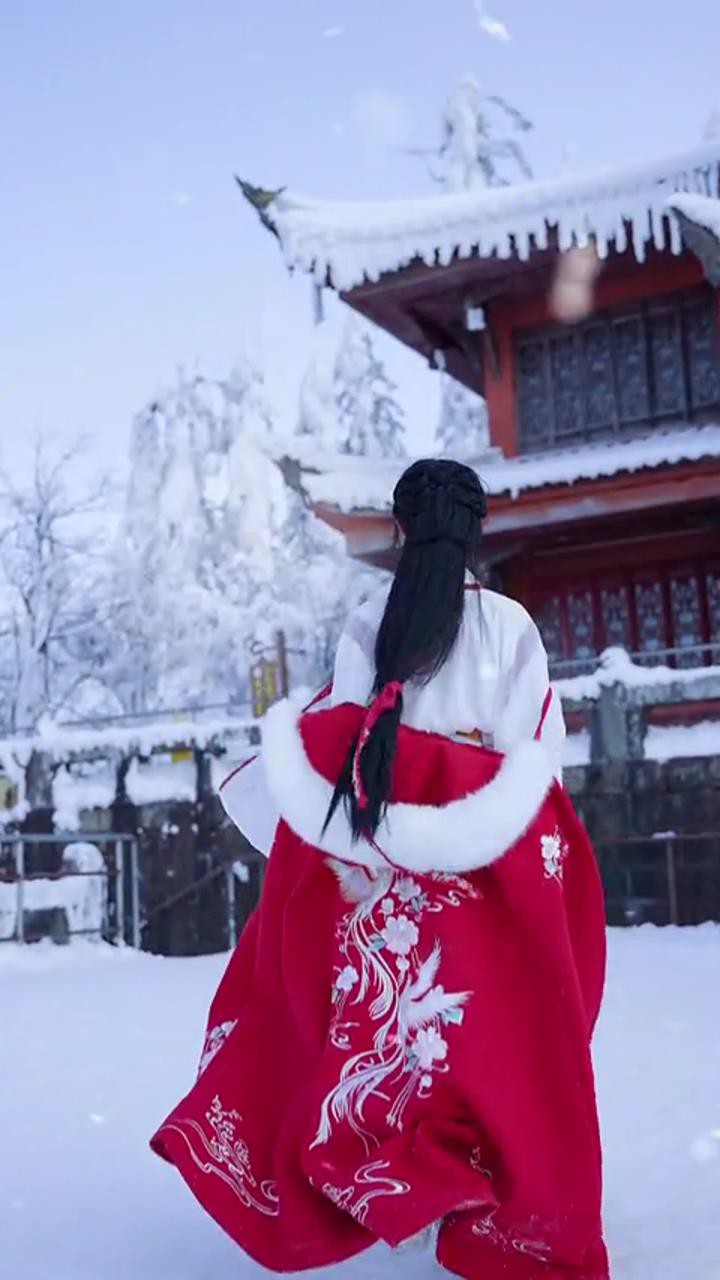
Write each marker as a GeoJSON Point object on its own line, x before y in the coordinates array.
{"type": "Point", "coordinates": [8, 792]}
{"type": "Point", "coordinates": [265, 686]}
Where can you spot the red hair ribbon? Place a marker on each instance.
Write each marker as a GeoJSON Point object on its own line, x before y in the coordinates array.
{"type": "Point", "coordinates": [386, 700]}
{"type": "Point", "coordinates": [543, 714]}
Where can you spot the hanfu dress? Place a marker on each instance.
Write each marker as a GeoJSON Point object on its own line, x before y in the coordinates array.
{"type": "Point", "coordinates": [401, 1040]}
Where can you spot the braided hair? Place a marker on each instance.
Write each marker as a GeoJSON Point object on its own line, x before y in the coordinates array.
{"type": "Point", "coordinates": [439, 507]}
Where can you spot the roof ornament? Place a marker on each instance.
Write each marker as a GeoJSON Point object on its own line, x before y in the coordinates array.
{"type": "Point", "coordinates": [699, 221]}
{"type": "Point", "coordinates": [261, 201]}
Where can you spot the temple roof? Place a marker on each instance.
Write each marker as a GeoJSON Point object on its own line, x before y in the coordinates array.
{"type": "Point", "coordinates": [346, 243]}
{"type": "Point", "coordinates": [350, 483]}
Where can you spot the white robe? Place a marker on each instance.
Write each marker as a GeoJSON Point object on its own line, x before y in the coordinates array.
{"type": "Point", "coordinates": [495, 681]}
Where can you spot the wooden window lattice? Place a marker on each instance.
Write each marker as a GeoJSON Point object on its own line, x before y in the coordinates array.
{"type": "Point", "coordinates": [618, 373]}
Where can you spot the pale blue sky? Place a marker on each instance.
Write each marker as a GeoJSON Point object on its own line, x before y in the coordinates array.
{"type": "Point", "coordinates": [124, 247]}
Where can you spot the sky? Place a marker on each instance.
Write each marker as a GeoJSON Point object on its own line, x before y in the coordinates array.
{"type": "Point", "coordinates": [125, 248]}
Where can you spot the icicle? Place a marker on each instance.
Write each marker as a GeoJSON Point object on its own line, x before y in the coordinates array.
{"type": "Point", "coordinates": [657, 228]}
{"type": "Point", "coordinates": [318, 307]}
{"type": "Point", "coordinates": [641, 234]}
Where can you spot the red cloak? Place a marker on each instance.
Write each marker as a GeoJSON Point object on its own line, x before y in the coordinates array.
{"type": "Point", "coordinates": [402, 1037]}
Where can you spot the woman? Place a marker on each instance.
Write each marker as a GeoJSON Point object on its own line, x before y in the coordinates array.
{"type": "Point", "coordinates": [402, 1038]}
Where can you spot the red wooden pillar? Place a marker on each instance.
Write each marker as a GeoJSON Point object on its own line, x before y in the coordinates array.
{"type": "Point", "coordinates": [500, 380]}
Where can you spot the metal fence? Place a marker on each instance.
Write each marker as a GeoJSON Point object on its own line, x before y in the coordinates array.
{"type": "Point", "coordinates": [667, 878]}
{"type": "Point", "coordinates": [117, 915]}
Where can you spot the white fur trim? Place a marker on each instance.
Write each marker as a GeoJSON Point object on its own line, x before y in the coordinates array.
{"type": "Point", "coordinates": [457, 837]}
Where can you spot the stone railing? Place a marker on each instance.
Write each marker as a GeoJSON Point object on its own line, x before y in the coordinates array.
{"type": "Point", "coordinates": [621, 698]}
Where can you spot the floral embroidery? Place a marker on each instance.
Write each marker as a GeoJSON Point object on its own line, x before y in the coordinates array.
{"type": "Point", "coordinates": [429, 1047]}
{"type": "Point", "coordinates": [226, 1156]}
{"type": "Point", "coordinates": [554, 852]}
{"type": "Point", "coordinates": [406, 889]}
{"type": "Point", "coordinates": [369, 1175]}
{"type": "Point", "coordinates": [347, 979]}
{"type": "Point", "coordinates": [384, 981]}
{"type": "Point", "coordinates": [400, 934]}
{"type": "Point", "coordinates": [477, 1165]}
{"type": "Point", "coordinates": [488, 1229]}
{"type": "Point", "coordinates": [214, 1042]}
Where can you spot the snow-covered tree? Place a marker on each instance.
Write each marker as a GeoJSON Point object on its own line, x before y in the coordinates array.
{"type": "Point", "coordinates": [192, 503]}
{"type": "Point", "coordinates": [317, 407]}
{"type": "Point", "coordinates": [475, 149]}
{"type": "Point", "coordinates": [462, 430]}
{"type": "Point", "coordinates": [371, 422]}
{"type": "Point", "coordinates": [220, 550]}
{"type": "Point", "coordinates": [51, 622]}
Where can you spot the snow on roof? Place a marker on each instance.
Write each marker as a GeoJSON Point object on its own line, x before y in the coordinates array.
{"type": "Point", "coordinates": [356, 484]}
{"type": "Point", "coordinates": [356, 241]}
{"type": "Point", "coordinates": [704, 210]}
{"type": "Point", "coordinates": [67, 742]}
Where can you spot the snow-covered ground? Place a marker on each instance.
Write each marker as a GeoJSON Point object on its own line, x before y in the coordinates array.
{"type": "Point", "coordinates": [95, 1046]}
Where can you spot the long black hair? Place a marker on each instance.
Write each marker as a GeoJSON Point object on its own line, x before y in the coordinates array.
{"type": "Point", "coordinates": [439, 507]}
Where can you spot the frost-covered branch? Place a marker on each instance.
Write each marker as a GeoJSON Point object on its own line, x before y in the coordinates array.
{"type": "Point", "coordinates": [471, 150]}
{"type": "Point", "coordinates": [46, 588]}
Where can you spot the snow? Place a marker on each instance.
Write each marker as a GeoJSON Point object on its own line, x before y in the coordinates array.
{"type": "Point", "coordinates": [82, 897]}
{"type": "Point", "coordinates": [677, 742]}
{"type": "Point", "coordinates": [352, 484]}
{"type": "Point", "coordinates": [662, 743]}
{"type": "Point", "coordinates": [317, 405]}
{"type": "Point", "coordinates": [370, 421]}
{"type": "Point", "coordinates": [61, 741]}
{"type": "Point", "coordinates": [617, 667]}
{"type": "Point", "coordinates": [90, 757]}
{"type": "Point", "coordinates": [161, 781]}
{"type": "Point", "coordinates": [81, 789]}
{"type": "Point", "coordinates": [97, 1045]}
{"type": "Point", "coordinates": [472, 153]}
{"type": "Point", "coordinates": [462, 428]}
{"type": "Point", "coordinates": [351, 242]}
{"type": "Point", "coordinates": [701, 209]}
{"type": "Point", "coordinates": [576, 751]}
{"type": "Point", "coordinates": [492, 27]}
